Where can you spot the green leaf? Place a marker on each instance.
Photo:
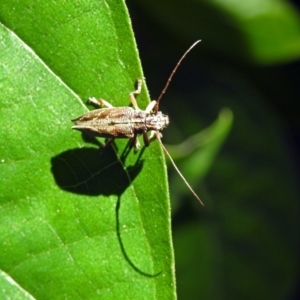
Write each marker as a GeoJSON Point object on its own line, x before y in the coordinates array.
{"type": "Point", "coordinates": [11, 289]}
{"type": "Point", "coordinates": [76, 222]}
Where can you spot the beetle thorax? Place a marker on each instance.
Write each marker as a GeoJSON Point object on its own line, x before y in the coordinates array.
{"type": "Point", "coordinates": [156, 122]}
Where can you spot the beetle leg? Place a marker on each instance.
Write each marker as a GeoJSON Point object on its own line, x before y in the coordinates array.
{"type": "Point", "coordinates": [135, 142]}
{"type": "Point", "coordinates": [110, 141]}
{"type": "Point", "coordinates": [150, 107]}
{"type": "Point", "coordinates": [146, 139]}
{"type": "Point", "coordinates": [150, 138]}
{"type": "Point", "coordinates": [100, 102]}
{"type": "Point", "coordinates": [153, 135]}
{"type": "Point", "coordinates": [136, 92]}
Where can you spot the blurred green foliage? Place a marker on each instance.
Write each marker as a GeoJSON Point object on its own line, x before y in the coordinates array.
{"type": "Point", "coordinates": [244, 244]}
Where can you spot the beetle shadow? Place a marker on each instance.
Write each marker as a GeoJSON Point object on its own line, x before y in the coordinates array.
{"type": "Point", "coordinates": [98, 171]}
{"type": "Point", "coordinates": [122, 246]}
{"type": "Point", "coordinates": [94, 172]}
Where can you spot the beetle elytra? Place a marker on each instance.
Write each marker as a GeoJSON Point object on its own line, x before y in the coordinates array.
{"type": "Point", "coordinates": [127, 122]}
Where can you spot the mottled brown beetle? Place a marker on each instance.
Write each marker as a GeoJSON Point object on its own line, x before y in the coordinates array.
{"type": "Point", "coordinates": [126, 122]}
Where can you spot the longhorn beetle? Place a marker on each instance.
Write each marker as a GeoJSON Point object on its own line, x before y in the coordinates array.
{"type": "Point", "coordinates": [126, 122]}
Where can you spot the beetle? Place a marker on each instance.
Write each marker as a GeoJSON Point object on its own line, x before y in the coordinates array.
{"type": "Point", "coordinates": [123, 122]}
{"type": "Point", "coordinates": [127, 122]}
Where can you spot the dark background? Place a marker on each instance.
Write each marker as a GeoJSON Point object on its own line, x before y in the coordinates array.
{"type": "Point", "coordinates": [244, 243]}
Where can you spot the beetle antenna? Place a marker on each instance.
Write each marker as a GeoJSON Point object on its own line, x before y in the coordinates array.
{"type": "Point", "coordinates": [171, 76]}
{"type": "Point", "coordinates": [176, 168]}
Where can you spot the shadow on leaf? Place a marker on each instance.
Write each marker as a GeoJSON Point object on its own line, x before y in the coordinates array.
{"type": "Point", "coordinates": [122, 246]}
{"type": "Point", "coordinates": [90, 171]}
